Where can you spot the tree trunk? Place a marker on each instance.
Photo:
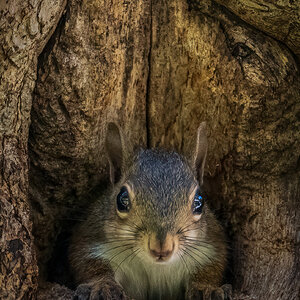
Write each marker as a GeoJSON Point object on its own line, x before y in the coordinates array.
{"type": "Point", "coordinates": [210, 66]}
{"type": "Point", "coordinates": [25, 28]}
{"type": "Point", "coordinates": [158, 68]}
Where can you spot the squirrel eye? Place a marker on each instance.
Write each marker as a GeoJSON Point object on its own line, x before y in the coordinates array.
{"type": "Point", "coordinates": [197, 203]}
{"type": "Point", "coordinates": [123, 200]}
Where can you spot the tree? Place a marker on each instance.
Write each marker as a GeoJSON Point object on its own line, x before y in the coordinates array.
{"type": "Point", "coordinates": [158, 68]}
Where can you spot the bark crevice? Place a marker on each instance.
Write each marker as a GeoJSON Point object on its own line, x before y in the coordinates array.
{"type": "Point", "coordinates": [148, 125]}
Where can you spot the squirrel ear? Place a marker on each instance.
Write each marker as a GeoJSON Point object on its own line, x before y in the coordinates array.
{"type": "Point", "coordinates": [114, 149]}
{"type": "Point", "coordinates": [200, 152]}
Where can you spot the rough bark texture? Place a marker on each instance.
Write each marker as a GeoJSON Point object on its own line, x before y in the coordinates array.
{"type": "Point", "coordinates": [25, 28]}
{"type": "Point", "coordinates": [158, 68]}
{"type": "Point", "coordinates": [278, 18]}
{"type": "Point", "coordinates": [93, 70]}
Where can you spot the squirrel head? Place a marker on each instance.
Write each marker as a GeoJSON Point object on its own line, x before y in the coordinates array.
{"type": "Point", "coordinates": [157, 199]}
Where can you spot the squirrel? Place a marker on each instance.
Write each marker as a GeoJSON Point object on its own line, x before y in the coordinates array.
{"type": "Point", "coordinates": [152, 236]}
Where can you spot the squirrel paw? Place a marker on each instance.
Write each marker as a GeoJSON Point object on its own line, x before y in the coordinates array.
{"type": "Point", "coordinates": [104, 290]}
{"type": "Point", "coordinates": [222, 293]}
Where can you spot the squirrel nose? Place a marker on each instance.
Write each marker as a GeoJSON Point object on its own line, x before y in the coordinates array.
{"type": "Point", "coordinates": [161, 250]}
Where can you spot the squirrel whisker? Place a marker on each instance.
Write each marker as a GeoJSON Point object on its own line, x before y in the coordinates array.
{"type": "Point", "coordinates": [191, 229]}
{"type": "Point", "coordinates": [127, 230]}
{"type": "Point", "coordinates": [195, 241]}
{"type": "Point", "coordinates": [116, 247]}
{"type": "Point", "coordinates": [116, 255]}
{"type": "Point", "coordinates": [139, 250]}
{"type": "Point", "coordinates": [200, 244]}
{"type": "Point", "coordinates": [182, 229]}
{"type": "Point", "coordinates": [201, 252]}
{"type": "Point", "coordinates": [183, 260]}
{"type": "Point", "coordinates": [117, 241]}
{"type": "Point", "coordinates": [126, 258]}
{"type": "Point", "coordinates": [186, 251]}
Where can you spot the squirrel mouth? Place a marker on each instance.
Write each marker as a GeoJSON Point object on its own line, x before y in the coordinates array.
{"type": "Point", "coordinates": [161, 259]}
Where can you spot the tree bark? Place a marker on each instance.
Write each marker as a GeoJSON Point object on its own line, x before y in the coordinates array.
{"type": "Point", "coordinates": [279, 19]}
{"type": "Point", "coordinates": [25, 28]}
{"type": "Point", "coordinates": [158, 68]}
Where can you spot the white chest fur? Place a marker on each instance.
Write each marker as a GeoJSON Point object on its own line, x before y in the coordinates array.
{"type": "Point", "coordinates": [149, 280]}
{"type": "Point", "coordinates": [142, 278]}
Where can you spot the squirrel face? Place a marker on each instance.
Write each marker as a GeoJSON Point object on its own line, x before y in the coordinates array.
{"type": "Point", "coordinates": [157, 203]}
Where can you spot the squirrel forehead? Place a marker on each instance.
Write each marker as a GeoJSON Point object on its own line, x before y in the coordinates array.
{"type": "Point", "coordinates": [162, 175]}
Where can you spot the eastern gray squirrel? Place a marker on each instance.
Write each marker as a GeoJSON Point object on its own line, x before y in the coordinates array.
{"type": "Point", "coordinates": [151, 236]}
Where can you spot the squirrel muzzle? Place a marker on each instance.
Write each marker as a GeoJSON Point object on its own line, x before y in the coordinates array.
{"type": "Point", "coordinates": [162, 249]}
